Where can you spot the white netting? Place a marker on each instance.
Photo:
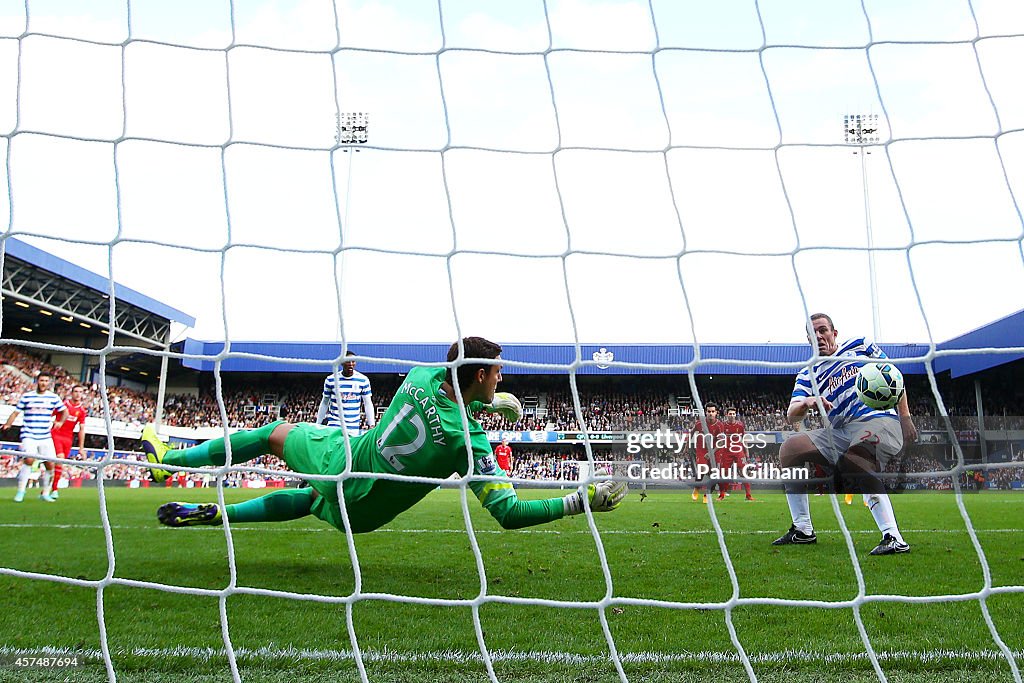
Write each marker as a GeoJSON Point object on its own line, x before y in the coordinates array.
{"type": "Point", "coordinates": [611, 127]}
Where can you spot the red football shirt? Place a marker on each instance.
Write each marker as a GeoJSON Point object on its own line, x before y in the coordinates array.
{"type": "Point", "coordinates": [503, 453]}
{"type": "Point", "coordinates": [715, 429]}
{"type": "Point", "coordinates": [735, 432]}
{"type": "Point", "coordinates": [76, 416]}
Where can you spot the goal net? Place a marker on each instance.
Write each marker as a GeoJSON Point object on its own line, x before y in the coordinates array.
{"type": "Point", "coordinates": [617, 172]}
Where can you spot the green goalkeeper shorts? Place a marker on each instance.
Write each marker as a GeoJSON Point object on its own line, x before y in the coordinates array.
{"type": "Point", "coordinates": [314, 449]}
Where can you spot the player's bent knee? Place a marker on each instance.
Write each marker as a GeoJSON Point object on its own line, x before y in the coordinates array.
{"type": "Point", "coordinates": [278, 436]}
{"type": "Point", "coordinates": [796, 450]}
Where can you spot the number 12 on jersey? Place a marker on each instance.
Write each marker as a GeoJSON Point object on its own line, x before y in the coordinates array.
{"type": "Point", "coordinates": [410, 433]}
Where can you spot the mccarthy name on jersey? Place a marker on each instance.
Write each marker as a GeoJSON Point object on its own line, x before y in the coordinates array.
{"type": "Point", "coordinates": [427, 403]}
{"type": "Point", "coordinates": [837, 379]}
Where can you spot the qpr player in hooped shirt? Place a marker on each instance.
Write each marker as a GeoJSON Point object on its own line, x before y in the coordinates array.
{"type": "Point", "coordinates": [858, 440]}
{"type": "Point", "coordinates": [343, 396]}
{"type": "Point", "coordinates": [38, 407]}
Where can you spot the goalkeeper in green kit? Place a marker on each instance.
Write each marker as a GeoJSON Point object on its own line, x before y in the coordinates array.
{"type": "Point", "coordinates": [420, 435]}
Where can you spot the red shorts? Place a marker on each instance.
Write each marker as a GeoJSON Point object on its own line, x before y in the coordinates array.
{"type": "Point", "coordinates": [62, 446]}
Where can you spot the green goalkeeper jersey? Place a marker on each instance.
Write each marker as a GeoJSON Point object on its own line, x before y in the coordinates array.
{"type": "Point", "coordinates": [422, 434]}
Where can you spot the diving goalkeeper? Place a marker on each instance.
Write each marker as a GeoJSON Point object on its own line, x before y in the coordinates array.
{"type": "Point", "coordinates": [421, 434]}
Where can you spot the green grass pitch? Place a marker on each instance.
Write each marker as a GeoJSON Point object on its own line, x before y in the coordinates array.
{"type": "Point", "coordinates": [663, 549]}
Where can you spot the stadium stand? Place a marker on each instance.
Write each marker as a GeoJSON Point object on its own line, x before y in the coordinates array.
{"type": "Point", "coordinates": [251, 401]}
{"type": "Point", "coordinates": [613, 401]}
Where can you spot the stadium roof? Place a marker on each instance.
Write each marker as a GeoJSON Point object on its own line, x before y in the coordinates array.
{"type": "Point", "coordinates": [48, 299]}
{"type": "Point", "coordinates": [721, 359]}
{"type": "Point", "coordinates": [1004, 333]}
{"type": "Point", "coordinates": [726, 359]}
{"type": "Point", "coordinates": [99, 283]}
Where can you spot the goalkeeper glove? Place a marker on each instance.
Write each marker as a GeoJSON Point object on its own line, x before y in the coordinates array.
{"type": "Point", "coordinates": [604, 496]}
{"type": "Point", "coordinates": [506, 405]}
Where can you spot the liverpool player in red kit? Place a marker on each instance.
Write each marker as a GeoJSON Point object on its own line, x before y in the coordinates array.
{"type": "Point", "coordinates": [63, 436]}
{"type": "Point", "coordinates": [701, 439]}
{"type": "Point", "coordinates": [503, 454]}
{"type": "Point", "coordinates": [736, 451]}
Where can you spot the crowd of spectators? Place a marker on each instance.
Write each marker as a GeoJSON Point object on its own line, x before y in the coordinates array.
{"type": "Point", "coordinates": [543, 465]}
{"type": "Point", "coordinates": [1003, 478]}
{"type": "Point", "coordinates": [252, 402]}
{"type": "Point", "coordinates": [19, 369]}
{"type": "Point", "coordinates": [760, 411]}
{"type": "Point", "coordinates": [529, 423]}
{"type": "Point", "coordinates": [605, 411]}
{"type": "Point", "coordinates": [626, 409]}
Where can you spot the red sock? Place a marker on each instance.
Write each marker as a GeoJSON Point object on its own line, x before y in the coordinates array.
{"type": "Point", "coordinates": [747, 487]}
{"type": "Point", "coordinates": [57, 471]}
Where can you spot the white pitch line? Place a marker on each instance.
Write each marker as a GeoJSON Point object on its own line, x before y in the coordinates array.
{"type": "Point", "coordinates": [387, 655]}
{"type": "Point", "coordinates": [518, 532]}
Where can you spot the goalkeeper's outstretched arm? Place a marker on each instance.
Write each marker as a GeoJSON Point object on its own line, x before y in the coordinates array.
{"type": "Point", "coordinates": [477, 383]}
{"type": "Point", "coordinates": [500, 499]}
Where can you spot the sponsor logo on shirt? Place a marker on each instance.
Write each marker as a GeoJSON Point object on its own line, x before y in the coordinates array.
{"type": "Point", "coordinates": [839, 380]}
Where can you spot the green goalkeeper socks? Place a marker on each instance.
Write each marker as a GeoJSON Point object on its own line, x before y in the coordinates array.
{"type": "Point", "coordinates": [279, 506]}
{"type": "Point", "coordinates": [244, 447]}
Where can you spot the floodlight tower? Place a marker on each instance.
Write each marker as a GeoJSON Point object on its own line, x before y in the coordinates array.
{"type": "Point", "coordinates": [861, 130]}
{"type": "Point", "coordinates": [351, 130]}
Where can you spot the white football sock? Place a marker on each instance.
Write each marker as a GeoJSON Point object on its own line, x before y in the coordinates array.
{"type": "Point", "coordinates": [44, 482]}
{"type": "Point", "coordinates": [23, 477]}
{"type": "Point", "coordinates": [800, 510]}
{"type": "Point", "coordinates": [885, 518]}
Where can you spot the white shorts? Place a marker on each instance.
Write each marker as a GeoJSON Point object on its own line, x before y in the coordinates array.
{"type": "Point", "coordinates": [881, 436]}
{"type": "Point", "coordinates": [30, 447]}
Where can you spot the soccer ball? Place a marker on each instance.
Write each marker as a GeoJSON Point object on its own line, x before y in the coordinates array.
{"type": "Point", "coordinates": [879, 385]}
